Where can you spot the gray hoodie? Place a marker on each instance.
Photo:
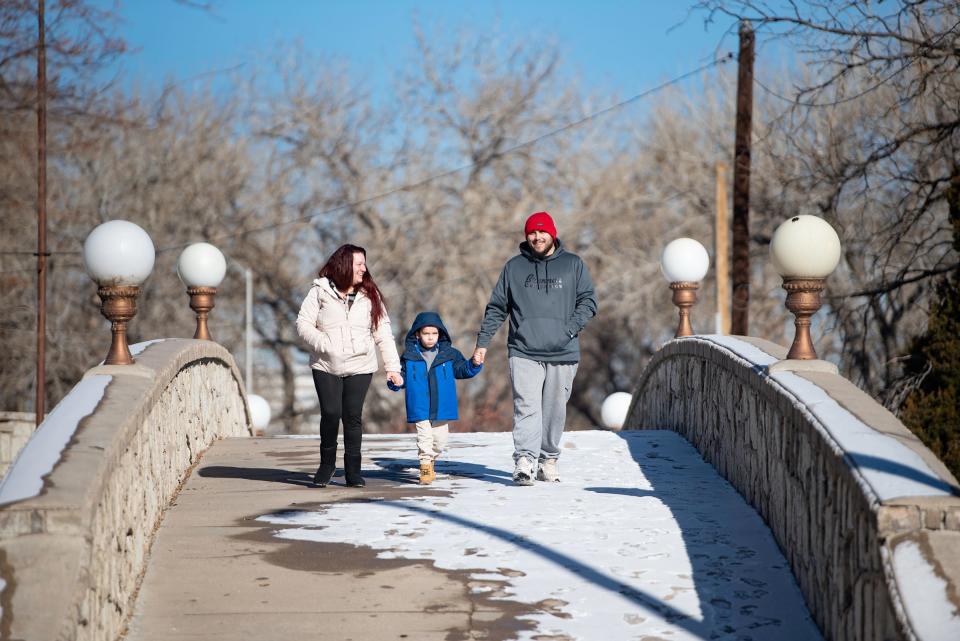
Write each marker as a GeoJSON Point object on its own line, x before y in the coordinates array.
{"type": "Point", "coordinates": [548, 300]}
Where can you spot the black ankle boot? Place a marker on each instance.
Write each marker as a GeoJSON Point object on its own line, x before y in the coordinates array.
{"type": "Point", "coordinates": [328, 465]}
{"type": "Point", "coordinates": [351, 470]}
{"type": "Point", "coordinates": [324, 474]}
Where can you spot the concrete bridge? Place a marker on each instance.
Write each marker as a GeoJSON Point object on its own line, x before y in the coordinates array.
{"type": "Point", "coordinates": [743, 501]}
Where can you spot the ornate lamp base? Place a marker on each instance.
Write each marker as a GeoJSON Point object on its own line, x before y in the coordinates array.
{"type": "Point", "coordinates": [201, 301]}
{"type": "Point", "coordinates": [118, 303]}
{"type": "Point", "coordinates": [684, 296]}
{"type": "Point", "coordinates": [803, 299]}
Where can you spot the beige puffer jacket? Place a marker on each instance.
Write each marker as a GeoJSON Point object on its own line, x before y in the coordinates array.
{"type": "Point", "coordinates": [342, 341]}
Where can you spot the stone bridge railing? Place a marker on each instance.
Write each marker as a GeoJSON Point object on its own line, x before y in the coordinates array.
{"type": "Point", "coordinates": [80, 503]}
{"type": "Point", "coordinates": [15, 431]}
{"type": "Point", "coordinates": [868, 518]}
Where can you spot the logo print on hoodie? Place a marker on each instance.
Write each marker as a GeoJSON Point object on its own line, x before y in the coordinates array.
{"type": "Point", "coordinates": [544, 283]}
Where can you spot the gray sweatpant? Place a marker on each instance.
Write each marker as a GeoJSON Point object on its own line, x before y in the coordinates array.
{"type": "Point", "coordinates": [540, 394]}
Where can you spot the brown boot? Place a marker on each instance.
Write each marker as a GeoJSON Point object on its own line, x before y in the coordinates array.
{"type": "Point", "coordinates": [426, 473]}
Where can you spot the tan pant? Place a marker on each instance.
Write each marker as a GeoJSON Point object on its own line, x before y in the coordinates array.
{"type": "Point", "coordinates": [431, 440]}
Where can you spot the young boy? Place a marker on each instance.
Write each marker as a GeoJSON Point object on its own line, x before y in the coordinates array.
{"type": "Point", "coordinates": [429, 365]}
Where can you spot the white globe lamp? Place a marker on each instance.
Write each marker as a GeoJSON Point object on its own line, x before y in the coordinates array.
{"type": "Point", "coordinates": [804, 250]}
{"type": "Point", "coordinates": [684, 262]}
{"type": "Point", "coordinates": [613, 412]}
{"type": "Point", "coordinates": [805, 247]}
{"type": "Point", "coordinates": [118, 255]}
{"type": "Point", "coordinates": [259, 412]}
{"type": "Point", "coordinates": [201, 267]}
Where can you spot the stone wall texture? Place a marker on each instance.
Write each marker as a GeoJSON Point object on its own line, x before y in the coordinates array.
{"type": "Point", "coordinates": [15, 430]}
{"type": "Point", "coordinates": [72, 557]}
{"type": "Point", "coordinates": [835, 534]}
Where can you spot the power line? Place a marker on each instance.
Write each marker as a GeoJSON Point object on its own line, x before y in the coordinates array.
{"type": "Point", "coordinates": [425, 181]}
{"type": "Point", "coordinates": [429, 179]}
{"type": "Point", "coordinates": [838, 101]}
{"type": "Point", "coordinates": [48, 254]}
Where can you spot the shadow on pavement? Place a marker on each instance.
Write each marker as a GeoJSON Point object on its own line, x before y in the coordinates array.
{"type": "Point", "coordinates": [584, 571]}
{"type": "Point", "coordinates": [272, 474]}
{"type": "Point", "coordinates": [449, 468]}
{"type": "Point", "coordinates": [289, 477]}
{"type": "Point", "coordinates": [722, 535]}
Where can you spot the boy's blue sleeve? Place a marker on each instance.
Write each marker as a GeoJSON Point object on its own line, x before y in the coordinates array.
{"type": "Point", "coordinates": [463, 368]}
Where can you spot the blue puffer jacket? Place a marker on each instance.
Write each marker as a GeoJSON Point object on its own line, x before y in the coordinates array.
{"type": "Point", "coordinates": [432, 395]}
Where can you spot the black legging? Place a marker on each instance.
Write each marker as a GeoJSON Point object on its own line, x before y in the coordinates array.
{"type": "Point", "coordinates": [341, 397]}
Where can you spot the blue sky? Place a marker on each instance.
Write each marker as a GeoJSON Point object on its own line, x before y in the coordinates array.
{"type": "Point", "coordinates": [612, 46]}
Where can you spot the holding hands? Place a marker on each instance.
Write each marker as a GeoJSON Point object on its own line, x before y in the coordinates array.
{"type": "Point", "coordinates": [395, 378]}
{"type": "Point", "coordinates": [478, 355]}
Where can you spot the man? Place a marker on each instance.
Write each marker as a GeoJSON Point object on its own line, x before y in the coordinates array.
{"type": "Point", "coordinates": [548, 295]}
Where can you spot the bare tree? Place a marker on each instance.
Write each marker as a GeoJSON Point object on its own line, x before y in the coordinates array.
{"type": "Point", "coordinates": [876, 125]}
{"type": "Point", "coordinates": [79, 43]}
{"type": "Point", "coordinates": [436, 184]}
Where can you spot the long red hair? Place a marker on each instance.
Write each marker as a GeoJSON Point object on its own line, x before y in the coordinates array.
{"type": "Point", "coordinates": [339, 269]}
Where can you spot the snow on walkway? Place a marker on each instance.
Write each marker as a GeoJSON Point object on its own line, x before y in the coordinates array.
{"type": "Point", "coordinates": [641, 539]}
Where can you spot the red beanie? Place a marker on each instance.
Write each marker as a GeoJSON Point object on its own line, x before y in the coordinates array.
{"type": "Point", "coordinates": [540, 221]}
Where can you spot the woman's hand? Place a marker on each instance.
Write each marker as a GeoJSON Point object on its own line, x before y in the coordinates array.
{"type": "Point", "coordinates": [395, 378]}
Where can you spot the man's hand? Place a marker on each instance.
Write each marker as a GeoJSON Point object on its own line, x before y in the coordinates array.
{"type": "Point", "coordinates": [395, 378]}
{"type": "Point", "coordinates": [478, 355]}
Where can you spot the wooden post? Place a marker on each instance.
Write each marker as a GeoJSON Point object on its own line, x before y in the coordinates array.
{"type": "Point", "coordinates": [40, 401]}
{"type": "Point", "coordinates": [722, 250]}
{"type": "Point", "coordinates": [740, 318]}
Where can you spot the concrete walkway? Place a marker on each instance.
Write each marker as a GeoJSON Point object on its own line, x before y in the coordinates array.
{"type": "Point", "coordinates": [641, 540]}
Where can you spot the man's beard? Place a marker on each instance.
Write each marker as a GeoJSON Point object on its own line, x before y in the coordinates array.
{"type": "Point", "coordinates": [546, 250]}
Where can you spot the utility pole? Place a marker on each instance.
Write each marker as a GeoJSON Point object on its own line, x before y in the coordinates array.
{"type": "Point", "coordinates": [740, 317]}
{"type": "Point", "coordinates": [722, 251]}
{"type": "Point", "coordinates": [39, 405]}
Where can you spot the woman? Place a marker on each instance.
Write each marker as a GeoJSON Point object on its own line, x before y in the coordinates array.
{"type": "Point", "coordinates": [341, 318]}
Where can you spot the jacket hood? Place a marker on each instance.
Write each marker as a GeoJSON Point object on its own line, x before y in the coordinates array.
{"type": "Point", "coordinates": [412, 344]}
{"type": "Point", "coordinates": [324, 282]}
{"type": "Point", "coordinates": [327, 285]}
{"type": "Point", "coordinates": [529, 254]}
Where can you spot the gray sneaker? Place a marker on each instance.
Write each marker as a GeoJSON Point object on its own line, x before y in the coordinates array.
{"type": "Point", "coordinates": [523, 472]}
{"type": "Point", "coordinates": [549, 471]}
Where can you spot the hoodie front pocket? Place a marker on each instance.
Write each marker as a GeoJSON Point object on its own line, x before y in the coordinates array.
{"type": "Point", "coordinates": [542, 334]}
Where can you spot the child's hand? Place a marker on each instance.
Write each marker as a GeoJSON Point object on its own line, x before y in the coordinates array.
{"type": "Point", "coordinates": [395, 378]}
{"type": "Point", "coordinates": [478, 355]}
